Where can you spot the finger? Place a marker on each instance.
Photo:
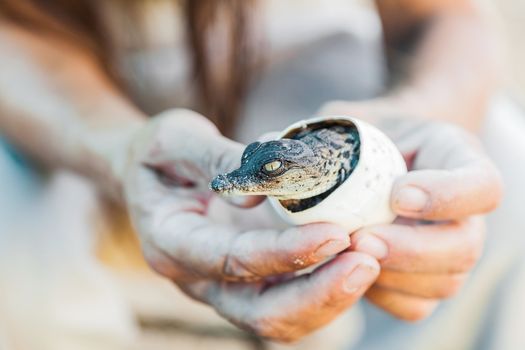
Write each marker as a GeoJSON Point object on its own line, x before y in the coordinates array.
{"type": "Point", "coordinates": [288, 311]}
{"type": "Point", "coordinates": [432, 286]}
{"type": "Point", "coordinates": [221, 251]}
{"type": "Point", "coordinates": [466, 183]}
{"type": "Point", "coordinates": [402, 306]}
{"type": "Point", "coordinates": [190, 149]}
{"type": "Point", "coordinates": [176, 225]}
{"type": "Point", "coordinates": [440, 248]}
{"type": "Point", "coordinates": [183, 135]}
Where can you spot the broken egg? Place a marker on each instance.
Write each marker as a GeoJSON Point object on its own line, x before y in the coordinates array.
{"type": "Point", "coordinates": [362, 199]}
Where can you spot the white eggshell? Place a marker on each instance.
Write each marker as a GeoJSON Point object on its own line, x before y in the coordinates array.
{"type": "Point", "coordinates": [363, 199]}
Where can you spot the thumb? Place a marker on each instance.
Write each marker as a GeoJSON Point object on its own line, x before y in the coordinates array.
{"type": "Point", "coordinates": [187, 145]}
{"type": "Point", "coordinates": [452, 179]}
{"type": "Point", "coordinates": [447, 194]}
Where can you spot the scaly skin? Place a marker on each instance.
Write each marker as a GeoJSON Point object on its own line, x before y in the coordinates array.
{"type": "Point", "coordinates": [292, 169]}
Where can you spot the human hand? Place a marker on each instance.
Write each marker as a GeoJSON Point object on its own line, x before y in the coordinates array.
{"type": "Point", "coordinates": [246, 275]}
{"type": "Point", "coordinates": [427, 253]}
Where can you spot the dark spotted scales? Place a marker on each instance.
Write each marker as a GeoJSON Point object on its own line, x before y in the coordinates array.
{"type": "Point", "coordinates": [336, 144]}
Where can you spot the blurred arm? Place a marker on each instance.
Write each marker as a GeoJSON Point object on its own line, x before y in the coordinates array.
{"type": "Point", "coordinates": [455, 64]}
{"type": "Point", "coordinates": [58, 106]}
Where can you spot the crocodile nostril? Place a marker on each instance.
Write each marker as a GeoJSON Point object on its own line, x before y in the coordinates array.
{"type": "Point", "coordinates": [221, 184]}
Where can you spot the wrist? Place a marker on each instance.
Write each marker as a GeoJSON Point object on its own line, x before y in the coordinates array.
{"type": "Point", "coordinates": [425, 102]}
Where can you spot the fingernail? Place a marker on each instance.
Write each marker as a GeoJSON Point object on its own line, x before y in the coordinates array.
{"type": "Point", "coordinates": [372, 245]}
{"type": "Point", "coordinates": [411, 198]}
{"type": "Point", "coordinates": [361, 276]}
{"type": "Point", "coordinates": [330, 248]}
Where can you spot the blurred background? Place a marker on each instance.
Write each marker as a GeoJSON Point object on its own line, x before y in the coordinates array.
{"type": "Point", "coordinates": [56, 295]}
{"type": "Point", "coordinates": [511, 14]}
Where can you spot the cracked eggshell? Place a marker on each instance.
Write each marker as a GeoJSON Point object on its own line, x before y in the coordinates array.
{"type": "Point", "coordinates": [363, 199]}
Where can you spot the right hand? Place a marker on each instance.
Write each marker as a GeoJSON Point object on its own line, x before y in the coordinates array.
{"type": "Point", "coordinates": [428, 253]}
{"type": "Point", "coordinates": [246, 275]}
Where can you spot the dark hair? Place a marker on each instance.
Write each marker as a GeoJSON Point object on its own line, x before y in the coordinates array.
{"type": "Point", "coordinates": [219, 99]}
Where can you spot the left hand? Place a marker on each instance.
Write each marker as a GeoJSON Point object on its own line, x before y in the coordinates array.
{"type": "Point", "coordinates": [246, 273]}
{"type": "Point", "coordinates": [426, 254]}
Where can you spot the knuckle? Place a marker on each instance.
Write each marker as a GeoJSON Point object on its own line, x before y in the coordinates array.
{"type": "Point", "coordinates": [234, 265]}
{"type": "Point", "coordinates": [418, 311]}
{"type": "Point", "coordinates": [234, 270]}
{"type": "Point", "coordinates": [264, 327]}
{"type": "Point", "coordinates": [162, 264]}
{"type": "Point", "coordinates": [275, 329]}
{"type": "Point", "coordinates": [468, 259]}
{"type": "Point", "coordinates": [471, 257]}
{"type": "Point", "coordinates": [260, 327]}
{"type": "Point", "coordinates": [494, 187]}
{"type": "Point", "coordinates": [451, 287]}
{"type": "Point", "coordinates": [418, 249]}
{"type": "Point", "coordinates": [472, 247]}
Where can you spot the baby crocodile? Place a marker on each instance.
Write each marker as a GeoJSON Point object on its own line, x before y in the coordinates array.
{"type": "Point", "coordinates": [299, 171]}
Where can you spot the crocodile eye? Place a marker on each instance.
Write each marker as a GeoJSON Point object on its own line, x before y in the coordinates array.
{"type": "Point", "coordinates": [272, 167]}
